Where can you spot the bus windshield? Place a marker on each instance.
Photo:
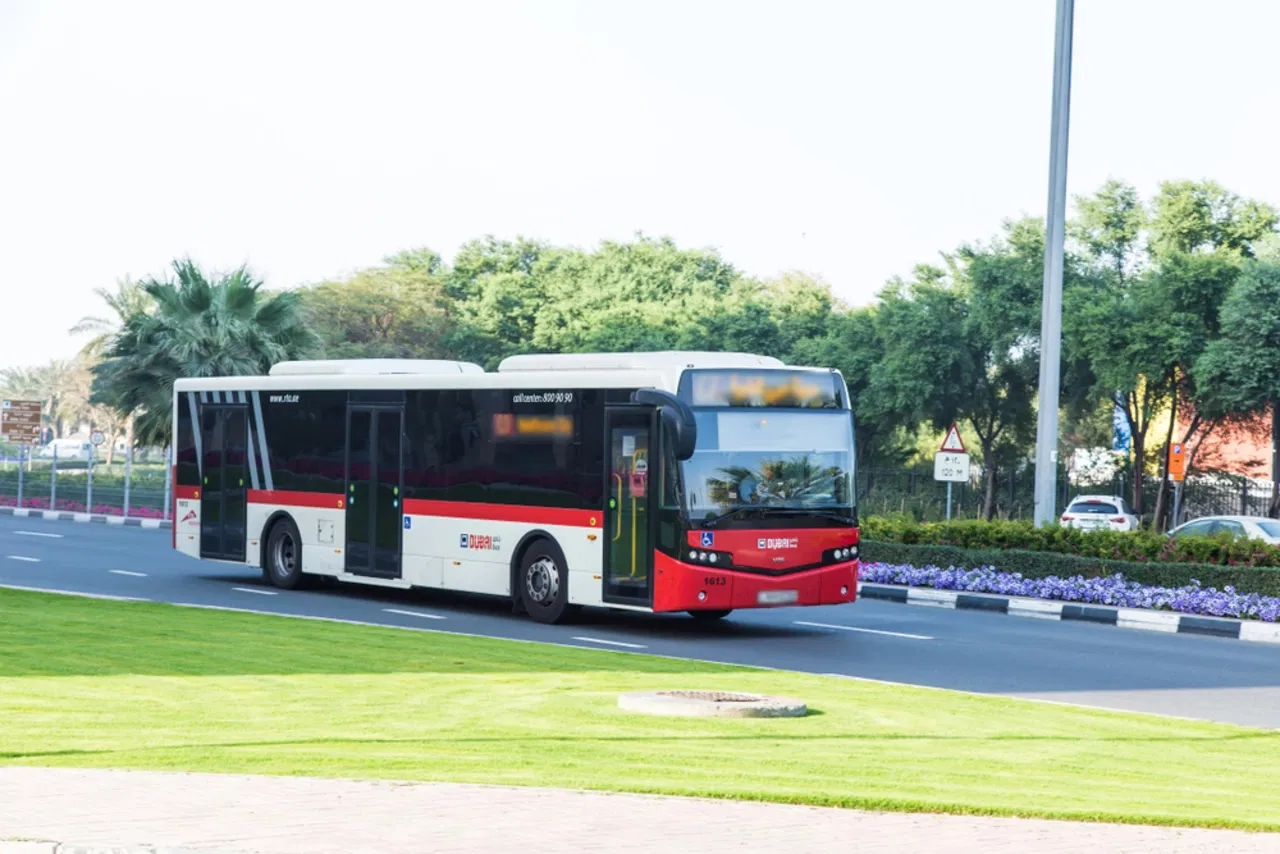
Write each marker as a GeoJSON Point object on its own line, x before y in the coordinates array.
{"type": "Point", "coordinates": [769, 460]}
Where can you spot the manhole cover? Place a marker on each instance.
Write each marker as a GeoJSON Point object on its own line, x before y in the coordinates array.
{"type": "Point", "coordinates": [712, 704]}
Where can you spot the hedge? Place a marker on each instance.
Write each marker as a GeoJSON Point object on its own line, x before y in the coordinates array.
{"type": "Point", "coordinates": [1043, 564]}
{"type": "Point", "coordinates": [1124, 546]}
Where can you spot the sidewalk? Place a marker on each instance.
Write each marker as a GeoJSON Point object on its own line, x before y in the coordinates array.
{"type": "Point", "coordinates": [271, 815]}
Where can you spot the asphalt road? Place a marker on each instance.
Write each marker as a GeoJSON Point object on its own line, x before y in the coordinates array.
{"type": "Point", "coordinates": [1185, 675]}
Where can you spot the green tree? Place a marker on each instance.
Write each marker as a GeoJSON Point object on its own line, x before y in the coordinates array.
{"type": "Point", "coordinates": [1202, 216]}
{"type": "Point", "coordinates": [200, 326]}
{"type": "Point", "coordinates": [394, 311]}
{"type": "Point", "coordinates": [1109, 229]}
{"type": "Point", "coordinates": [960, 344]}
{"type": "Point", "coordinates": [1242, 367]}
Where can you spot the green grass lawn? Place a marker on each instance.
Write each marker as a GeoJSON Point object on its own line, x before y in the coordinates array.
{"type": "Point", "coordinates": [94, 683]}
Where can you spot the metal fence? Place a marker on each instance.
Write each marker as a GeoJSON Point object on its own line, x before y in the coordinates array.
{"type": "Point", "coordinates": [915, 493]}
{"type": "Point", "coordinates": [136, 484]}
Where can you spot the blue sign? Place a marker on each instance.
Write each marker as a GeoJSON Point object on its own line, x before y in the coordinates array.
{"type": "Point", "coordinates": [407, 521]}
{"type": "Point", "coordinates": [1121, 436]}
{"type": "Point", "coordinates": [708, 539]}
{"type": "Point", "coordinates": [462, 543]}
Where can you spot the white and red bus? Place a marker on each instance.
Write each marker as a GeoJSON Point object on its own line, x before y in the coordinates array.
{"type": "Point", "coordinates": [672, 481]}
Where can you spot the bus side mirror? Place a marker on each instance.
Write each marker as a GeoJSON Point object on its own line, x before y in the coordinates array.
{"type": "Point", "coordinates": [678, 417]}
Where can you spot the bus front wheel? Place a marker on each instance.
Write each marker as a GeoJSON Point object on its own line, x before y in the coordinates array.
{"type": "Point", "coordinates": [284, 555]}
{"type": "Point", "coordinates": [544, 582]}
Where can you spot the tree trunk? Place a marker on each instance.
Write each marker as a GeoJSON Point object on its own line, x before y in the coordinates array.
{"type": "Point", "coordinates": [1162, 494]}
{"type": "Point", "coordinates": [111, 448]}
{"type": "Point", "coordinates": [1274, 510]}
{"type": "Point", "coordinates": [992, 472]}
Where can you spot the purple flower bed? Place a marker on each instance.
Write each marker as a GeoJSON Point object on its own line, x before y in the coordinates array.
{"type": "Point", "coordinates": [1111, 590]}
{"type": "Point", "coordinates": [68, 506]}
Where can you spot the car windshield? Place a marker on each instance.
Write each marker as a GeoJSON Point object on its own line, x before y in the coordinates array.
{"type": "Point", "coordinates": [1096, 507]}
{"type": "Point", "coordinates": [762, 460]}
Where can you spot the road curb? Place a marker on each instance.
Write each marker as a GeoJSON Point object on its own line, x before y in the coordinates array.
{"type": "Point", "coordinates": [1168, 622]}
{"type": "Point", "coordinates": [92, 518]}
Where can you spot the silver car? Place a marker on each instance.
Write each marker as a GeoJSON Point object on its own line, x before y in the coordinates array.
{"type": "Point", "coordinates": [1251, 527]}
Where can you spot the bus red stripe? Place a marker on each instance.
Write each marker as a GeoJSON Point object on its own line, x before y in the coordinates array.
{"type": "Point", "coordinates": [504, 513]}
{"type": "Point", "coordinates": [185, 492]}
{"type": "Point", "coordinates": [295, 499]}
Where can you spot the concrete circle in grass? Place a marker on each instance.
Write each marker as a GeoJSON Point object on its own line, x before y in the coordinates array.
{"type": "Point", "coordinates": [711, 704]}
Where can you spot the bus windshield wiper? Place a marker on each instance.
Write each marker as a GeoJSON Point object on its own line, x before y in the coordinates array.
{"type": "Point", "coordinates": [766, 511]}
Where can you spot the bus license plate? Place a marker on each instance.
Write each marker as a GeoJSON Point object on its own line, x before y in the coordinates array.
{"type": "Point", "coordinates": [777, 597]}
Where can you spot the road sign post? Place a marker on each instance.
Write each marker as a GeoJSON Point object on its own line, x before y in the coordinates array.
{"type": "Point", "coordinates": [95, 439]}
{"type": "Point", "coordinates": [21, 448]}
{"type": "Point", "coordinates": [1178, 472]}
{"type": "Point", "coordinates": [951, 463]}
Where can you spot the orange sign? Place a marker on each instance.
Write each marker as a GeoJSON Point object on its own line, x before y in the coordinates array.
{"type": "Point", "coordinates": [1178, 461]}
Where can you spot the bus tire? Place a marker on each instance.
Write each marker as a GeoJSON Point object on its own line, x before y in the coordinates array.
{"type": "Point", "coordinates": [283, 564]}
{"type": "Point", "coordinates": [710, 616]}
{"type": "Point", "coordinates": [544, 582]}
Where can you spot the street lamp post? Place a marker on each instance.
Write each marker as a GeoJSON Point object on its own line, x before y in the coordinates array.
{"type": "Point", "coordinates": [1051, 308]}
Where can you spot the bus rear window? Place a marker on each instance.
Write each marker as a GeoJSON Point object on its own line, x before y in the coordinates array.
{"type": "Point", "coordinates": [750, 389]}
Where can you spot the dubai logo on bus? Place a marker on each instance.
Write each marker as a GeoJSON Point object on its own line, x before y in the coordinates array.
{"type": "Point", "coordinates": [480, 542]}
{"type": "Point", "coordinates": [768, 543]}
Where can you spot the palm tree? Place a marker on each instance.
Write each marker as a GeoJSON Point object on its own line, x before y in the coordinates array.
{"type": "Point", "coordinates": [196, 327]}
{"type": "Point", "coordinates": [776, 482]}
{"type": "Point", "coordinates": [127, 300]}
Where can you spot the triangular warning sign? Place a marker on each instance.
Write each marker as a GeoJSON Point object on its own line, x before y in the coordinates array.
{"type": "Point", "coordinates": [952, 444]}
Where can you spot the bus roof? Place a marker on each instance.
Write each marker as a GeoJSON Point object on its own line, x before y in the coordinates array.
{"type": "Point", "coordinates": [666, 360]}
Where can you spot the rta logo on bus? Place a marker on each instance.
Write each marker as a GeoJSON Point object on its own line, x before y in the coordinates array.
{"type": "Point", "coordinates": [782, 543]}
{"type": "Point", "coordinates": [283, 398]}
{"type": "Point", "coordinates": [480, 542]}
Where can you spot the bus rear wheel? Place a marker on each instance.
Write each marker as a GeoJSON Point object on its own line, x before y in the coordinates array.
{"type": "Point", "coordinates": [283, 566]}
{"type": "Point", "coordinates": [544, 582]}
{"type": "Point", "coordinates": [710, 616]}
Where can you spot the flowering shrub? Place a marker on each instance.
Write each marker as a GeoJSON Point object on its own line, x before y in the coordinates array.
{"type": "Point", "coordinates": [1108, 590]}
{"type": "Point", "coordinates": [1136, 546]}
{"type": "Point", "coordinates": [68, 506]}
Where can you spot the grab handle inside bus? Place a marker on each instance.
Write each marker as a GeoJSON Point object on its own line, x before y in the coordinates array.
{"type": "Point", "coordinates": [676, 414]}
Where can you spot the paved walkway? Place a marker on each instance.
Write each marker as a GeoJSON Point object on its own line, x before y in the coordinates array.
{"type": "Point", "coordinates": [216, 813]}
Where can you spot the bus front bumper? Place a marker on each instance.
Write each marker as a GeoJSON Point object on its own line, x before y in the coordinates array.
{"type": "Point", "coordinates": [682, 586]}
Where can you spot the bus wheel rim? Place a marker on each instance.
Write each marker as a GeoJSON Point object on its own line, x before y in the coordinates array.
{"type": "Point", "coordinates": [284, 556]}
{"type": "Point", "coordinates": [542, 581]}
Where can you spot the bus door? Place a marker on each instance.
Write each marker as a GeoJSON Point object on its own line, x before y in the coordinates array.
{"type": "Point", "coordinates": [374, 505]}
{"type": "Point", "coordinates": [629, 520]}
{"type": "Point", "coordinates": [223, 493]}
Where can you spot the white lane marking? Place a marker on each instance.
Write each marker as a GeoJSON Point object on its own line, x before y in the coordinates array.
{"type": "Point", "coordinates": [74, 593]}
{"type": "Point", "coordinates": [612, 643]}
{"type": "Point", "coordinates": [24, 557]}
{"type": "Point", "coordinates": [867, 631]}
{"type": "Point", "coordinates": [251, 590]}
{"type": "Point", "coordinates": [127, 572]}
{"type": "Point", "coordinates": [412, 614]}
{"type": "Point", "coordinates": [38, 534]}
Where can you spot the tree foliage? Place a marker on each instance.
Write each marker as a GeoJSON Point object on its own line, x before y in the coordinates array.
{"type": "Point", "coordinates": [199, 326]}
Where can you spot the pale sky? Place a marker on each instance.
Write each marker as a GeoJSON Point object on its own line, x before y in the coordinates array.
{"type": "Point", "coordinates": [849, 139]}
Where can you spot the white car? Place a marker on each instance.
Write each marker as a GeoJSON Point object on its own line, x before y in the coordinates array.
{"type": "Point", "coordinates": [1251, 527]}
{"type": "Point", "coordinates": [1100, 513]}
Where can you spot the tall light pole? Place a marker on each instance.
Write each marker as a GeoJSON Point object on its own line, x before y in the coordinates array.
{"type": "Point", "coordinates": [1051, 309]}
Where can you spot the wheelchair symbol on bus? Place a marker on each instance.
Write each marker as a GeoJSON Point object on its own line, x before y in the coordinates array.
{"type": "Point", "coordinates": [708, 539]}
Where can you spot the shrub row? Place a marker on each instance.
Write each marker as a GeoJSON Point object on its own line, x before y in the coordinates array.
{"type": "Point", "coordinates": [1042, 564]}
{"type": "Point", "coordinates": [1129, 546]}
